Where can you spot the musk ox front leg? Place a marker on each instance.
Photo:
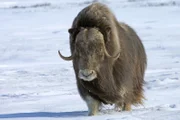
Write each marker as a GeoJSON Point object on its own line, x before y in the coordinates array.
{"type": "Point", "coordinates": [93, 105]}
{"type": "Point", "coordinates": [123, 106]}
{"type": "Point", "coordinates": [126, 107]}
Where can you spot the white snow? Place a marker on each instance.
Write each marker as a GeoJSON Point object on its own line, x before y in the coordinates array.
{"type": "Point", "coordinates": [35, 84]}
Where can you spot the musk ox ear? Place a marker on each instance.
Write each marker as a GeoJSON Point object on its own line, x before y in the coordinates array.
{"type": "Point", "coordinates": [71, 30]}
{"type": "Point", "coordinates": [75, 30]}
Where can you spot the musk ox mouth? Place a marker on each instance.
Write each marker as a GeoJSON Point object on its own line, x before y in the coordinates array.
{"type": "Point", "coordinates": [87, 75]}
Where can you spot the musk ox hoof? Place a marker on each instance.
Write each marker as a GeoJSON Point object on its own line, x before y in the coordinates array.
{"type": "Point", "coordinates": [91, 114]}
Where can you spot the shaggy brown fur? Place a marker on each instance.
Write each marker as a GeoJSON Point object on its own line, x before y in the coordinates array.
{"type": "Point", "coordinates": [120, 80]}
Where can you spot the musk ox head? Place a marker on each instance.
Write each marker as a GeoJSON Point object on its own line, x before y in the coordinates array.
{"type": "Point", "coordinates": [89, 53]}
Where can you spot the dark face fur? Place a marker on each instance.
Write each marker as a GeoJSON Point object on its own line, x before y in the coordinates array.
{"type": "Point", "coordinates": [89, 51]}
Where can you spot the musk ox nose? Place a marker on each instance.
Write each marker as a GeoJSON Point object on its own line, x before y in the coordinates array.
{"type": "Point", "coordinates": [87, 75]}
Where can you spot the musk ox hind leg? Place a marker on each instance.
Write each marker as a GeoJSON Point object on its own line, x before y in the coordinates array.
{"type": "Point", "coordinates": [93, 105]}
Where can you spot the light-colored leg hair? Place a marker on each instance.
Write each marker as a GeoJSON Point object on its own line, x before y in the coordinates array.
{"type": "Point", "coordinates": [119, 107]}
{"type": "Point", "coordinates": [93, 105]}
{"type": "Point", "coordinates": [122, 107]}
{"type": "Point", "coordinates": [127, 107]}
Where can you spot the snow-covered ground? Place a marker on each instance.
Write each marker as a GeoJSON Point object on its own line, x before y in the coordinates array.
{"type": "Point", "coordinates": [35, 84]}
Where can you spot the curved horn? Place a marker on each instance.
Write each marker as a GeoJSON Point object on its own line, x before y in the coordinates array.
{"type": "Point", "coordinates": [65, 58]}
{"type": "Point", "coordinates": [109, 56]}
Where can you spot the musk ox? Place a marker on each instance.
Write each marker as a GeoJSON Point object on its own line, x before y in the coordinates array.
{"type": "Point", "coordinates": [109, 59]}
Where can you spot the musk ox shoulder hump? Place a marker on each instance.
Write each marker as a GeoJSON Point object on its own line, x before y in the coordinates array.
{"type": "Point", "coordinates": [96, 15]}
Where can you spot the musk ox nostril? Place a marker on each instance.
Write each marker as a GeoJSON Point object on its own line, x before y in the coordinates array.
{"type": "Point", "coordinates": [87, 75]}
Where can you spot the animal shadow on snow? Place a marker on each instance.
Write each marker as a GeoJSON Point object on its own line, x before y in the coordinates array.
{"type": "Point", "coordinates": [45, 114]}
